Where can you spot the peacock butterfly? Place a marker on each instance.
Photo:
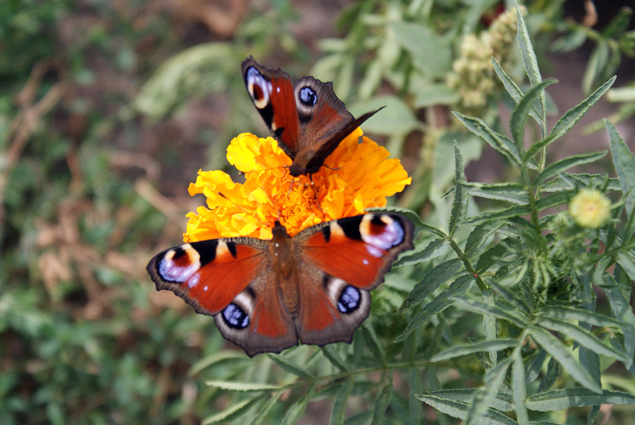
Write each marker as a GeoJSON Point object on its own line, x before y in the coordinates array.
{"type": "Point", "coordinates": [307, 119]}
{"type": "Point", "coordinates": [265, 295]}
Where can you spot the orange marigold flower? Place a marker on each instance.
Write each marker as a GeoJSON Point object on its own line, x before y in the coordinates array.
{"type": "Point", "coordinates": [356, 176]}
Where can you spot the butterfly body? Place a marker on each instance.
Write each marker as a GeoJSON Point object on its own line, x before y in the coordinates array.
{"type": "Point", "coordinates": [267, 295]}
{"type": "Point", "coordinates": [307, 119]}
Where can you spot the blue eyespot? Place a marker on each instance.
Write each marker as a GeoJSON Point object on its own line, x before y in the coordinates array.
{"type": "Point", "coordinates": [349, 300]}
{"type": "Point", "coordinates": [308, 96]}
{"type": "Point", "coordinates": [235, 317]}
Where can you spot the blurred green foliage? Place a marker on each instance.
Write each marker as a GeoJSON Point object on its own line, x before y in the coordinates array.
{"type": "Point", "coordinates": [102, 102]}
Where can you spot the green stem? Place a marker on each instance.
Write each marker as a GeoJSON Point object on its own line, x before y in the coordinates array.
{"type": "Point", "coordinates": [466, 262]}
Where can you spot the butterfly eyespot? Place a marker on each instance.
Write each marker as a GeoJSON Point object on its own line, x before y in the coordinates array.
{"type": "Point", "coordinates": [308, 96]}
{"type": "Point", "coordinates": [349, 300]}
{"type": "Point", "coordinates": [235, 317]}
{"type": "Point", "coordinates": [258, 88]}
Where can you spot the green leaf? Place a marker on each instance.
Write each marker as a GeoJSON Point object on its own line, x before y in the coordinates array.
{"type": "Point", "coordinates": [395, 118]}
{"type": "Point", "coordinates": [530, 60]}
{"type": "Point", "coordinates": [432, 280]}
{"type": "Point", "coordinates": [519, 303]}
{"type": "Point", "coordinates": [458, 409]}
{"type": "Point", "coordinates": [499, 313]}
{"type": "Point", "coordinates": [459, 206]}
{"type": "Point", "coordinates": [334, 357]}
{"type": "Point", "coordinates": [597, 62]}
{"type": "Point", "coordinates": [436, 94]}
{"type": "Point", "coordinates": [519, 389]}
{"type": "Point", "coordinates": [265, 407]}
{"type": "Point", "coordinates": [242, 386]}
{"type": "Point", "coordinates": [373, 343]}
{"type": "Point", "coordinates": [568, 181]}
{"type": "Point", "coordinates": [382, 401]}
{"type": "Point", "coordinates": [497, 141]}
{"type": "Point", "coordinates": [502, 402]}
{"type": "Point", "coordinates": [509, 192]}
{"type": "Point", "coordinates": [621, 311]}
{"type": "Point", "coordinates": [484, 398]}
{"type": "Point", "coordinates": [341, 402]}
{"type": "Point", "coordinates": [289, 366]}
{"type": "Point", "coordinates": [430, 251]}
{"type": "Point", "coordinates": [519, 116]}
{"type": "Point", "coordinates": [569, 42]}
{"type": "Point", "coordinates": [440, 303]}
{"type": "Point", "coordinates": [479, 236]}
{"type": "Point", "coordinates": [566, 163]}
{"type": "Point", "coordinates": [515, 211]}
{"type": "Point", "coordinates": [534, 365]}
{"type": "Point", "coordinates": [574, 115]}
{"type": "Point", "coordinates": [295, 411]}
{"type": "Point", "coordinates": [416, 409]}
{"type": "Point", "coordinates": [624, 163]}
{"type": "Point", "coordinates": [464, 350]}
{"type": "Point", "coordinates": [575, 397]}
{"type": "Point", "coordinates": [554, 200]}
{"type": "Point", "coordinates": [572, 313]}
{"type": "Point", "coordinates": [514, 91]}
{"type": "Point", "coordinates": [553, 371]}
{"type": "Point", "coordinates": [430, 52]}
{"type": "Point", "coordinates": [224, 355]}
{"type": "Point", "coordinates": [562, 354]}
{"type": "Point", "coordinates": [234, 412]}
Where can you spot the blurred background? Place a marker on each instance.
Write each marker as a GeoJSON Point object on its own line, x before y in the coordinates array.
{"type": "Point", "coordinates": [109, 108]}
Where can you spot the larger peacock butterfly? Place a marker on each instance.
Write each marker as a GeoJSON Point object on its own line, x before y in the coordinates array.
{"type": "Point", "coordinates": [307, 119]}
{"type": "Point", "coordinates": [266, 295]}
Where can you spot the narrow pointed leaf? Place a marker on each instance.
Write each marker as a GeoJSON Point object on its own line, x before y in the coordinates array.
{"type": "Point", "coordinates": [562, 354]}
{"type": "Point", "coordinates": [554, 200]}
{"type": "Point", "coordinates": [499, 313]}
{"type": "Point", "coordinates": [514, 91]}
{"type": "Point", "coordinates": [416, 408]}
{"type": "Point", "coordinates": [234, 412]}
{"type": "Point", "coordinates": [242, 386]}
{"type": "Point", "coordinates": [624, 163]}
{"type": "Point", "coordinates": [530, 60]}
{"type": "Point", "coordinates": [572, 313]}
{"type": "Point", "coordinates": [464, 350]}
{"type": "Point", "coordinates": [515, 211]}
{"type": "Point", "coordinates": [575, 397]}
{"type": "Point", "coordinates": [623, 312]}
{"type": "Point", "coordinates": [535, 365]}
{"type": "Point", "coordinates": [373, 343]}
{"type": "Point", "coordinates": [574, 115]}
{"type": "Point", "coordinates": [509, 192]}
{"type": "Point", "coordinates": [553, 372]}
{"type": "Point", "coordinates": [497, 141]}
{"type": "Point", "coordinates": [459, 206]}
{"type": "Point", "coordinates": [435, 278]}
{"type": "Point", "coordinates": [265, 407]}
{"type": "Point", "coordinates": [233, 356]}
{"type": "Point", "coordinates": [289, 366]}
{"type": "Point", "coordinates": [519, 389]}
{"type": "Point", "coordinates": [295, 411]}
{"type": "Point", "coordinates": [440, 303]}
{"type": "Point", "coordinates": [435, 248]}
{"type": "Point", "coordinates": [458, 409]}
{"type": "Point", "coordinates": [519, 116]}
{"type": "Point", "coordinates": [502, 402]}
{"type": "Point", "coordinates": [482, 401]}
{"type": "Point", "coordinates": [341, 402]}
{"type": "Point", "coordinates": [564, 164]}
{"type": "Point", "coordinates": [382, 401]}
{"type": "Point", "coordinates": [334, 357]}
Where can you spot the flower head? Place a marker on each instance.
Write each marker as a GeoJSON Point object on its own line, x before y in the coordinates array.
{"type": "Point", "coordinates": [590, 208]}
{"type": "Point", "coordinates": [356, 176]}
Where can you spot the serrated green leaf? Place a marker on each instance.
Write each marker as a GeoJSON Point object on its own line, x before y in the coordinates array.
{"type": "Point", "coordinates": [508, 192]}
{"type": "Point", "coordinates": [574, 115]}
{"type": "Point", "coordinates": [591, 362]}
{"type": "Point", "coordinates": [440, 303]}
{"type": "Point", "coordinates": [490, 257]}
{"type": "Point", "coordinates": [566, 163]}
{"type": "Point", "coordinates": [569, 42]}
{"type": "Point", "coordinates": [372, 343]}
{"type": "Point", "coordinates": [519, 303]}
{"type": "Point", "coordinates": [575, 397]}
{"type": "Point", "coordinates": [497, 141]}
{"type": "Point", "coordinates": [458, 409]}
{"type": "Point", "coordinates": [341, 402]}
{"type": "Point", "coordinates": [435, 248]}
{"type": "Point", "coordinates": [479, 236]}
{"type": "Point", "coordinates": [519, 389]}
{"type": "Point", "coordinates": [223, 355]}
{"type": "Point", "coordinates": [561, 353]}
{"type": "Point", "coordinates": [464, 350]}
{"type": "Point", "coordinates": [595, 65]}
{"type": "Point", "coordinates": [534, 365]}
{"type": "Point", "coordinates": [514, 91]}
{"type": "Point", "coordinates": [502, 402]}
{"type": "Point", "coordinates": [519, 116]}
{"type": "Point", "coordinates": [499, 313]}
{"type": "Point", "coordinates": [334, 357]}
{"type": "Point", "coordinates": [484, 398]}
{"type": "Point", "coordinates": [459, 206]}
{"type": "Point", "coordinates": [554, 200]}
{"type": "Point", "coordinates": [530, 61]}
{"type": "Point", "coordinates": [624, 163]}
{"type": "Point", "coordinates": [295, 411]}
{"type": "Point", "coordinates": [568, 181]}
{"type": "Point", "coordinates": [515, 211]}
{"type": "Point", "coordinates": [553, 372]}
{"type": "Point", "coordinates": [242, 386]}
{"type": "Point", "coordinates": [289, 366]}
{"type": "Point", "coordinates": [432, 280]}
{"type": "Point", "coordinates": [572, 313]}
{"type": "Point", "coordinates": [265, 407]}
{"type": "Point", "coordinates": [234, 412]}
{"type": "Point", "coordinates": [382, 401]}
{"type": "Point", "coordinates": [621, 310]}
